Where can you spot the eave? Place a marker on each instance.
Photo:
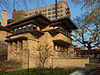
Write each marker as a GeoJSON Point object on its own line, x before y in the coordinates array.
{"type": "Point", "coordinates": [17, 39]}
{"type": "Point", "coordinates": [34, 32]}
{"type": "Point", "coordinates": [2, 28]}
{"type": "Point", "coordinates": [66, 22]}
{"type": "Point", "coordinates": [39, 19]}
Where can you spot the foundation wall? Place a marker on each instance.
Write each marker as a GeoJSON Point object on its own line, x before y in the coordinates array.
{"type": "Point", "coordinates": [70, 62]}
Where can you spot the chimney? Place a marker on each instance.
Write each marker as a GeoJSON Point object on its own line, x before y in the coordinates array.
{"type": "Point", "coordinates": [4, 15]}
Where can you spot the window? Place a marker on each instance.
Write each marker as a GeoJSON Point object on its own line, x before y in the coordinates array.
{"type": "Point", "coordinates": [49, 13]}
{"type": "Point", "coordinates": [61, 14]}
{"type": "Point", "coordinates": [45, 14]}
{"type": "Point", "coordinates": [19, 29]}
{"type": "Point", "coordinates": [44, 10]}
{"type": "Point", "coordinates": [36, 12]}
{"type": "Point", "coordinates": [53, 16]}
{"type": "Point", "coordinates": [25, 14]}
{"type": "Point", "coordinates": [30, 13]}
{"type": "Point", "coordinates": [53, 12]}
{"type": "Point", "coordinates": [56, 27]}
{"type": "Point", "coordinates": [24, 28]}
{"type": "Point", "coordinates": [53, 8]}
{"type": "Point", "coordinates": [60, 6]}
{"type": "Point", "coordinates": [15, 31]}
{"type": "Point", "coordinates": [29, 27]}
{"type": "Point", "coordinates": [49, 9]}
{"type": "Point", "coordinates": [68, 34]}
{"type": "Point", "coordinates": [60, 10]}
{"type": "Point", "coordinates": [49, 17]}
{"type": "Point", "coordinates": [34, 27]}
{"type": "Point", "coordinates": [40, 11]}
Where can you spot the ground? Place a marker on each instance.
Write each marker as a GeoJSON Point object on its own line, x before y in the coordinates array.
{"type": "Point", "coordinates": [38, 71]}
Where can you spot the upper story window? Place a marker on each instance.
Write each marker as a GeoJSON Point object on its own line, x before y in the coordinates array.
{"type": "Point", "coordinates": [53, 8]}
{"type": "Point", "coordinates": [53, 16]}
{"type": "Point", "coordinates": [53, 12]}
{"type": "Point", "coordinates": [15, 31]}
{"type": "Point", "coordinates": [49, 17]}
{"type": "Point", "coordinates": [36, 12]}
{"type": "Point", "coordinates": [56, 27]}
{"type": "Point", "coordinates": [34, 27]}
{"type": "Point", "coordinates": [25, 14]}
{"type": "Point", "coordinates": [57, 7]}
{"type": "Point", "coordinates": [19, 29]}
{"type": "Point", "coordinates": [60, 10]}
{"type": "Point", "coordinates": [61, 14]}
{"type": "Point", "coordinates": [30, 13]}
{"type": "Point", "coordinates": [49, 9]}
{"type": "Point", "coordinates": [29, 27]}
{"type": "Point", "coordinates": [44, 10]}
{"type": "Point", "coordinates": [60, 6]}
{"type": "Point", "coordinates": [24, 28]}
{"type": "Point", "coordinates": [68, 34]}
{"type": "Point", "coordinates": [49, 13]}
{"type": "Point", "coordinates": [45, 14]}
{"type": "Point", "coordinates": [40, 11]}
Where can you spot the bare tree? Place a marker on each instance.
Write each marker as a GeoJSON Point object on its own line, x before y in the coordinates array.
{"type": "Point", "coordinates": [45, 52]}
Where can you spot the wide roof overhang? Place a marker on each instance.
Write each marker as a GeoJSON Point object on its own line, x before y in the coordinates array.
{"type": "Point", "coordinates": [43, 21]}
{"type": "Point", "coordinates": [3, 28]}
{"type": "Point", "coordinates": [38, 19]}
{"type": "Point", "coordinates": [65, 22]}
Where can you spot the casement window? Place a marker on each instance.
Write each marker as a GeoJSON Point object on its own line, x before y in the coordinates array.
{"type": "Point", "coordinates": [24, 28]}
{"type": "Point", "coordinates": [49, 17]}
{"type": "Point", "coordinates": [40, 11]}
{"type": "Point", "coordinates": [45, 14]}
{"type": "Point", "coordinates": [19, 29]}
{"type": "Point", "coordinates": [30, 13]}
{"type": "Point", "coordinates": [29, 27]}
{"type": "Point", "coordinates": [53, 8]}
{"type": "Point", "coordinates": [49, 9]}
{"type": "Point", "coordinates": [15, 31]}
{"type": "Point", "coordinates": [61, 14]}
{"type": "Point", "coordinates": [44, 10]}
{"type": "Point", "coordinates": [34, 27]}
{"type": "Point", "coordinates": [60, 6]}
{"type": "Point", "coordinates": [53, 12]}
{"type": "Point", "coordinates": [60, 10]}
{"type": "Point", "coordinates": [49, 13]}
{"type": "Point", "coordinates": [36, 12]}
{"type": "Point", "coordinates": [53, 16]}
{"type": "Point", "coordinates": [25, 14]}
{"type": "Point", "coordinates": [56, 27]}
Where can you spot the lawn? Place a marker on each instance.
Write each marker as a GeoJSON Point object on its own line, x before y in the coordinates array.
{"type": "Point", "coordinates": [38, 71]}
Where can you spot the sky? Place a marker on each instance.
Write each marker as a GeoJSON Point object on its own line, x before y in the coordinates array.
{"type": "Point", "coordinates": [33, 4]}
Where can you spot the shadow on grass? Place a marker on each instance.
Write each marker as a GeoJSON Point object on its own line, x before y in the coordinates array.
{"type": "Point", "coordinates": [38, 71]}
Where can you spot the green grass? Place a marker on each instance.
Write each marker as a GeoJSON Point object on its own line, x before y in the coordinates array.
{"type": "Point", "coordinates": [38, 71]}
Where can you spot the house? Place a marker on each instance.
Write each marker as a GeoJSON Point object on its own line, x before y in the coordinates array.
{"type": "Point", "coordinates": [28, 33]}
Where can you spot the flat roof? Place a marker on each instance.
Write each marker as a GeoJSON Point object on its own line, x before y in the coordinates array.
{"type": "Point", "coordinates": [44, 21]}
{"type": "Point", "coordinates": [39, 18]}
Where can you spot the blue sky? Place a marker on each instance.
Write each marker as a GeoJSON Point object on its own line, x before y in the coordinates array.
{"type": "Point", "coordinates": [33, 4]}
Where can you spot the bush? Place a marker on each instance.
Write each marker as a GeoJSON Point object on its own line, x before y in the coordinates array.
{"type": "Point", "coordinates": [11, 64]}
